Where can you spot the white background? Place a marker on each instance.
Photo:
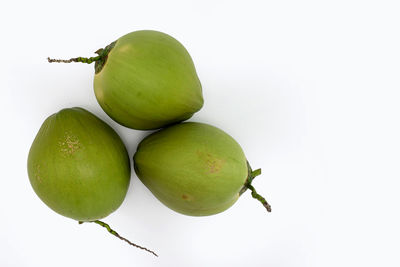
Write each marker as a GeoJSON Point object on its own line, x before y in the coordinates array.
{"type": "Point", "coordinates": [310, 89]}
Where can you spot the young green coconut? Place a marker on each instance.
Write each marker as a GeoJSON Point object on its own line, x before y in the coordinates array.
{"type": "Point", "coordinates": [195, 169]}
{"type": "Point", "coordinates": [145, 80]}
{"type": "Point", "coordinates": [79, 167]}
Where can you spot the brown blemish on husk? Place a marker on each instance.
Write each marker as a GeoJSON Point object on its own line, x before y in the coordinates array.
{"type": "Point", "coordinates": [37, 173]}
{"type": "Point", "coordinates": [187, 197]}
{"type": "Point", "coordinates": [69, 145]}
{"type": "Point", "coordinates": [214, 165]}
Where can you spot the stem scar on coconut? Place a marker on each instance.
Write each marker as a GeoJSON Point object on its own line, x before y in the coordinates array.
{"type": "Point", "coordinates": [145, 80]}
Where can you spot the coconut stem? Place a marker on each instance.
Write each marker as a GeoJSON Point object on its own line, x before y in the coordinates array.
{"type": "Point", "coordinates": [99, 60]}
{"type": "Point", "coordinates": [251, 175]}
{"type": "Point", "coordinates": [76, 59]}
{"type": "Point", "coordinates": [111, 231]}
{"type": "Point", "coordinates": [255, 195]}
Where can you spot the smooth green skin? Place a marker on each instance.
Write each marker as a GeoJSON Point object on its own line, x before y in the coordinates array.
{"type": "Point", "coordinates": [193, 168]}
{"type": "Point", "coordinates": [148, 81]}
{"type": "Point", "coordinates": [78, 165]}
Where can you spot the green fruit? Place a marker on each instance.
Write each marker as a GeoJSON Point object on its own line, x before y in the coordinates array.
{"type": "Point", "coordinates": [78, 165]}
{"type": "Point", "coordinates": [145, 80]}
{"type": "Point", "coordinates": [193, 168]}
{"type": "Point", "coordinates": [148, 81]}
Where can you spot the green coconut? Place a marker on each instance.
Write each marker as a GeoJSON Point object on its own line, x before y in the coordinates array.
{"type": "Point", "coordinates": [194, 168]}
{"type": "Point", "coordinates": [145, 80]}
{"type": "Point", "coordinates": [78, 165]}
